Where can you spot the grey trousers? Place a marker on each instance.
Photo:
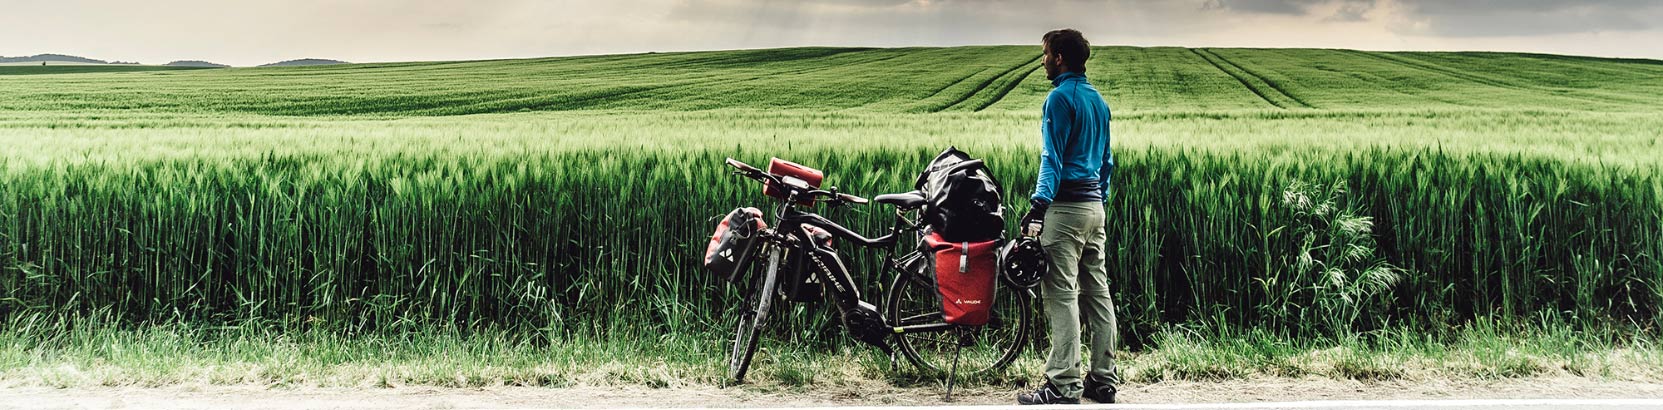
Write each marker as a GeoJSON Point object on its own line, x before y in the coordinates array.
{"type": "Point", "coordinates": [1076, 288]}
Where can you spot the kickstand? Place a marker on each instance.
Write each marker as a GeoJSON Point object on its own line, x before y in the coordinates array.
{"type": "Point", "coordinates": [954, 374]}
{"type": "Point", "coordinates": [894, 362]}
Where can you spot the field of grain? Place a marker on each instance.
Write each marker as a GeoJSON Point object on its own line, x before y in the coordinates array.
{"type": "Point", "coordinates": [1303, 193]}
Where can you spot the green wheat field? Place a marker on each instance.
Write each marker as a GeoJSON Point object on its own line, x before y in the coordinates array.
{"type": "Point", "coordinates": [541, 219]}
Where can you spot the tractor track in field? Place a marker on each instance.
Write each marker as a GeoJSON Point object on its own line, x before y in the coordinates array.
{"type": "Point", "coordinates": [697, 62]}
{"type": "Point", "coordinates": [1238, 78]}
{"type": "Point", "coordinates": [694, 64]}
{"type": "Point", "coordinates": [1219, 62]}
{"type": "Point", "coordinates": [1010, 86]}
{"type": "Point", "coordinates": [984, 84]}
{"type": "Point", "coordinates": [730, 57]}
{"type": "Point", "coordinates": [1261, 78]}
{"type": "Point", "coordinates": [944, 88]}
{"type": "Point", "coordinates": [1360, 76]}
{"type": "Point", "coordinates": [632, 91]}
{"type": "Point", "coordinates": [1429, 67]}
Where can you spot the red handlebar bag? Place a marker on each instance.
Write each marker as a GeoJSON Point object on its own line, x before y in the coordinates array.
{"type": "Point", "coordinates": [785, 168]}
{"type": "Point", "coordinates": [964, 275]}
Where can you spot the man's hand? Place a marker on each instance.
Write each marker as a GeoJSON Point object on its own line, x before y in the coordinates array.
{"type": "Point", "coordinates": [1034, 221]}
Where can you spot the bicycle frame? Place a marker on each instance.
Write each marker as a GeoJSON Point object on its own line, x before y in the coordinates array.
{"type": "Point", "coordinates": [797, 241]}
{"type": "Point", "coordinates": [789, 223]}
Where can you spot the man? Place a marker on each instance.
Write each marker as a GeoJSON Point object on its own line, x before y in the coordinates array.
{"type": "Point", "coordinates": [1067, 215]}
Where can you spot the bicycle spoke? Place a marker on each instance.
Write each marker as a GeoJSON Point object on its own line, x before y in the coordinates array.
{"type": "Point", "coordinates": [920, 280]}
{"type": "Point", "coordinates": [992, 346]}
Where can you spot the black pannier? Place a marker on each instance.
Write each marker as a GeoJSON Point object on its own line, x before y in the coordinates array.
{"type": "Point", "coordinates": [963, 201]}
{"type": "Point", "coordinates": [806, 287]}
{"type": "Point", "coordinates": [731, 248]}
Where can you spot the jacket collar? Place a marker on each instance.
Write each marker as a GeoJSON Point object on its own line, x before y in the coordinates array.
{"type": "Point", "coordinates": [1057, 82]}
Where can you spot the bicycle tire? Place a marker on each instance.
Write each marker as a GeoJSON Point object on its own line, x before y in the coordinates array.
{"type": "Point", "coordinates": [911, 291]}
{"type": "Point", "coordinates": [752, 318]}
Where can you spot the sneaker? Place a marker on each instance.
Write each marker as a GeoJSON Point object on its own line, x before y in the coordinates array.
{"type": "Point", "coordinates": [1046, 394]}
{"type": "Point", "coordinates": [1098, 390]}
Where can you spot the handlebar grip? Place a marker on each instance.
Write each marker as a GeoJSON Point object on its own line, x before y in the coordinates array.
{"type": "Point", "coordinates": [742, 166]}
{"type": "Point", "coordinates": [852, 199]}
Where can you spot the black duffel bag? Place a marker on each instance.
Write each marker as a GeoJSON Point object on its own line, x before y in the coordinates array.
{"type": "Point", "coordinates": [963, 201]}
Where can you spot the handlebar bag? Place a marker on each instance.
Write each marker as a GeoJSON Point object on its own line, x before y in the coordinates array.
{"type": "Point", "coordinates": [732, 246]}
{"type": "Point", "coordinates": [785, 168]}
{"type": "Point", "coordinates": [964, 277]}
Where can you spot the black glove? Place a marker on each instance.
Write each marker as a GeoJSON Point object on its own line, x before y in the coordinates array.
{"type": "Point", "coordinates": [1034, 221]}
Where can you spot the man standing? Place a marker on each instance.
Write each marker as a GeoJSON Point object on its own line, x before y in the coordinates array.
{"type": "Point", "coordinates": [1067, 215]}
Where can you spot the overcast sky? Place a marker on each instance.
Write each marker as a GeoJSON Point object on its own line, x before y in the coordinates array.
{"type": "Point", "coordinates": [250, 32]}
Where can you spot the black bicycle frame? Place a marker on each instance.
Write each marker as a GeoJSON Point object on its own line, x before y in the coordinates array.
{"type": "Point", "coordinates": [790, 222]}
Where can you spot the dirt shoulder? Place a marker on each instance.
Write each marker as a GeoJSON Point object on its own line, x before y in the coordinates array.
{"type": "Point", "coordinates": [422, 397]}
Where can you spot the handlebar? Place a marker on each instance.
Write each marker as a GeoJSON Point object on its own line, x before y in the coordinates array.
{"type": "Point", "coordinates": [743, 167]}
{"type": "Point", "coordinates": [852, 199]}
{"type": "Point", "coordinates": [817, 195]}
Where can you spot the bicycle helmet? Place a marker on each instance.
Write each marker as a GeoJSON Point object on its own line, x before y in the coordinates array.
{"type": "Point", "coordinates": [1023, 262]}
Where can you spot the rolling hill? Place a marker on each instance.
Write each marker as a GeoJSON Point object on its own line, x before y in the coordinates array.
{"type": "Point", "coordinates": [195, 63]}
{"type": "Point", "coordinates": [922, 80]}
{"type": "Point", "coordinates": [304, 62]}
{"type": "Point", "coordinates": [51, 58]}
{"type": "Point", "coordinates": [6, 70]}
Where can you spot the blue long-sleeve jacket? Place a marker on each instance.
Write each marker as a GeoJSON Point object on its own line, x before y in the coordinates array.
{"type": "Point", "coordinates": [1074, 163]}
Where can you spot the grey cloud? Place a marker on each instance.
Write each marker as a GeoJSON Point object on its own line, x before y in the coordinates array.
{"type": "Point", "coordinates": [1491, 6]}
{"type": "Point", "coordinates": [919, 22]}
{"type": "Point", "coordinates": [1509, 18]}
{"type": "Point", "coordinates": [1340, 10]}
{"type": "Point", "coordinates": [1296, 7]}
{"type": "Point", "coordinates": [1352, 11]}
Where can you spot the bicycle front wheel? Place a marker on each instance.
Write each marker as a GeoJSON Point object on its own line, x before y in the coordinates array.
{"type": "Point", "coordinates": [753, 314]}
{"type": "Point", "coordinates": [913, 300]}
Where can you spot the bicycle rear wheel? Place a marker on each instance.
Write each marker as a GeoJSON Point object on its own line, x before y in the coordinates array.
{"type": "Point", "coordinates": [913, 300]}
{"type": "Point", "coordinates": [752, 316]}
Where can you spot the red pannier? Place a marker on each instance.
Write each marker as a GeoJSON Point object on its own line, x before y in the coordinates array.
{"type": "Point", "coordinates": [781, 167]}
{"type": "Point", "coordinates": [731, 248]}
{"type": "Point", "coordinates": [964, 276]}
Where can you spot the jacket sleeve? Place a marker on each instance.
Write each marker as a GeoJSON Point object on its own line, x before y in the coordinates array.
{"type": "Point", "coordinates": [1106, 174]}
{"type": "Point", "coordinates": [1054, 131]}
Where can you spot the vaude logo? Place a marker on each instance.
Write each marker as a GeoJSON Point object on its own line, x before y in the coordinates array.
{"type": "Point", "coordinates": [967, 302]}
{"type": "Point", "coordinates": [726, 254]}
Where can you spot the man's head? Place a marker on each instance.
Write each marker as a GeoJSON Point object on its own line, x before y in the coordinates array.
{"type": "Point", "coordinates": [1064, 50]}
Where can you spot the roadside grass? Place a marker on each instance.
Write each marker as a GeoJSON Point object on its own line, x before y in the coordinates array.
{"type": "Point", "coordinates": [1481, 351]}
{"type": "Point", "coordinates": [91, 354]}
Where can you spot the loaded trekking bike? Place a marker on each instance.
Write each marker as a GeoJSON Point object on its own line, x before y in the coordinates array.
{"type": "Point", "coordinates": [798, 263]}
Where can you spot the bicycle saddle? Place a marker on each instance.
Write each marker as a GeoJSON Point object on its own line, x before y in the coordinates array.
{"type": "Point", "coordinates": [906, 200]}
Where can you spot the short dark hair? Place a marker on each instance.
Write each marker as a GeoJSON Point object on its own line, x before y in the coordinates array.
{"type": "Point", "coordinates": [1072, 45]}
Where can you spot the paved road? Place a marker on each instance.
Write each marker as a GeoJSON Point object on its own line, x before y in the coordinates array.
{"type": "Point", "coordinates": [259, 397]}
{"type": "Point", "coordinates": [1573, 404]}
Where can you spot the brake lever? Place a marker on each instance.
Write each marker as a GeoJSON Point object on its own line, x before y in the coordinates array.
{"type": "Point", "coordinates": [836, 201]}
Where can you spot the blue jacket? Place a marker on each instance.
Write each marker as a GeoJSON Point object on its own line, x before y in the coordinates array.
{"type": "Point", "coordinates": [1074, 163]}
